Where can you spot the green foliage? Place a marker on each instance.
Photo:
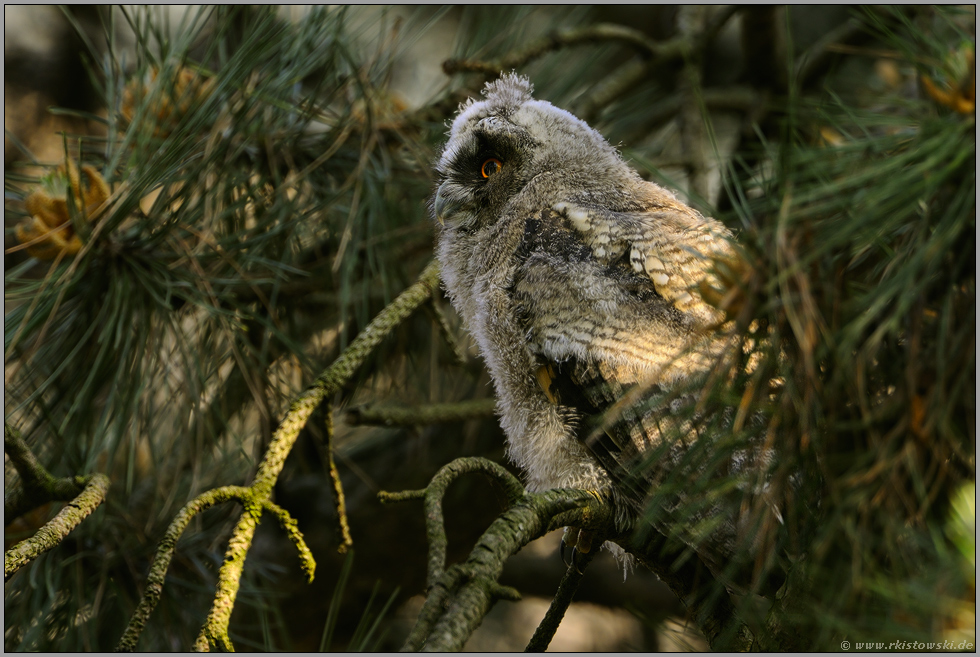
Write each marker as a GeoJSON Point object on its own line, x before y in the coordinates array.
{"type": "Point", "coordinates": [852, 379]}
{"type": "Point", "coordinates": [258, 201]}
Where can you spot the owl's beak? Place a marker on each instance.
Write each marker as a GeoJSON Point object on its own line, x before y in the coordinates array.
{"type": "Point", "coordinates": [443, 204]}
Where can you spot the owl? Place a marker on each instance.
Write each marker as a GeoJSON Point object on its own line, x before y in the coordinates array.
{"type": "Point", "coordinates": [579, 281]}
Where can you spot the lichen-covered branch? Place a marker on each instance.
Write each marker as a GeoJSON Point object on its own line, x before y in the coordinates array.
{"type": "Point", "coordinates": [392, 415]}
{"type": "Point", "coordinates": [37, 485]}
{"type": "Point", "coordinates": [54, 531]}
{"type": "Point", "coordinates": [295, 536]}
{"type": "Point", "coordinates": [531, 517]}
{"type": "Point", "coordinates": [338, 490]}
{"type": "Point", "coordinates": [165, 552]}
{"type": "Point", "coordinates": [215, 629]}
{"type": "Point", "coordinates": [432, 495]}
{"type": "Point", "coordinates": [434, 606]}
{"type": "Point", "coordinates": [461, 595]}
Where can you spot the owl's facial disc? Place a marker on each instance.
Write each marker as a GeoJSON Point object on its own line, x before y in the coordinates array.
{"type": "Point", "coordinates": [478, 171]}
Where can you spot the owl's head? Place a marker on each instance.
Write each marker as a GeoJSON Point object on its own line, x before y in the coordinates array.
{"type": "Point", "coordinates": [510, 148]}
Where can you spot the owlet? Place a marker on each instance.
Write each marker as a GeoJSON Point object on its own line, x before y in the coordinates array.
{"type": "Point", "coordinates": [578, 280]}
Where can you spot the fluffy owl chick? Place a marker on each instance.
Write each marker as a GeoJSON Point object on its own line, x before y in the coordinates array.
{"type": "Point", "coordinates": [578, 280]}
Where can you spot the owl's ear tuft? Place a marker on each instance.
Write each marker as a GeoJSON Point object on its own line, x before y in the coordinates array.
{"type": "Point", "coordinates": [508, 92]}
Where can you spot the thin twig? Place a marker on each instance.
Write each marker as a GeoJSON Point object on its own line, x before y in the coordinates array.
{"type": "Point", "coordinates": [564, 39]}
{"type": "Point", "coordinates": [559, 605]}
{"type": "Point", "coordinates": [338, 490]}
{"type": "Point", "coordinates": [295, 536]}
{"type": "Point", "coordinates": [391, 415]}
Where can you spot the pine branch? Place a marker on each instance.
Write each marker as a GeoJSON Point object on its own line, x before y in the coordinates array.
{"type": "Point", "coordinates": [390, 415]}
{"type": "Point", "coordinates": [545, 631]}
{"type": "Point", "coordinates": [215, 630]}
{"type": "Point", "coordinates": [461, 595]}
{"type": "Point", "coordinates": [39, 487]}
{"type": "Point", "coordinates": [165, 551]}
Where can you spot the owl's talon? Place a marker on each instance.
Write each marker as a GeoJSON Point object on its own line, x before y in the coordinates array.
{"type": "Point", "coordinates": [584, 544]}
{"type": "Point", "coordinates": [574, 565]}
{"type": "Point", "coordinates": [569, 539]}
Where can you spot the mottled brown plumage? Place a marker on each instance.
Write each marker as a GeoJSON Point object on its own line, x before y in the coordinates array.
{"type": "Point", "coordinates": [579, 281]}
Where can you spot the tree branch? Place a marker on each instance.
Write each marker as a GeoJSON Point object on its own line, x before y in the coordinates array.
{"type": "Point", "coordinates": [38, 486]}
{"type": "Point", "coordinates": [392, 415]}
{"type": "Point", "coordinates": [559, 605]}
{"type": "Point", "coordinates": [682, 47]}
{"type": "Point", "coordinates": [53, 532]}
{"type": "Point", "coordinates": [165, 552]}
{"type": "Point", "coordinates": [338, 490]}
{"type": "Point", "coordinates": [295, 536]}
{"type": "Point", "coordinates": [461, 595]}
{"type": "Point", "coordinates": [564, 39]}
{"type": "Point", "coordinates": [432, 495]}
{"type": "Point", "coordinates": [215, 629]}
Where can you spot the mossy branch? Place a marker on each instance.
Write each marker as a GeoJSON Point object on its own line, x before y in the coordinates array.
{"type": "Point", "coordinates": [461, 595]}
{"type": "Point", "coordinates": [53, 532]}
{"type": "Point", "coordinates": [215, 629]}
{"type": "Point", "coordinates": [432, 495]}
{"type": "Point", "coordinates": [165, 552]}
{"type": "Point", "coordinates": [470, 589]}
{"type": "Point", "coordinates": [295, 536]}
{"type": "Point", "coordinates": [338, 490]}
{"type": "Point", "coordinates": [38, 486]}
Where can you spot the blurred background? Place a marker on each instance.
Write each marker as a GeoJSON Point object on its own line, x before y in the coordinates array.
{"type": "Point", "coordinates": [270, 170]}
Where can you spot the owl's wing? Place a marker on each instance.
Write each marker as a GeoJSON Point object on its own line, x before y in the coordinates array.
{"type": "Point", "coordinates": [617, 445]}
{"type": "Point", "coordinates": [623, 437]}
{"type": "Point", "coordinates": [629, 309]}
{"type": "Point", "coordinates": [666, 240]}
{"type": "Point", "coordinates": [619, 422]}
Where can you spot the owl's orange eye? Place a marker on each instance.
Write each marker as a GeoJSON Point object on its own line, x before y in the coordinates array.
{"type": "Point", "coordinates": [491, 167]}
